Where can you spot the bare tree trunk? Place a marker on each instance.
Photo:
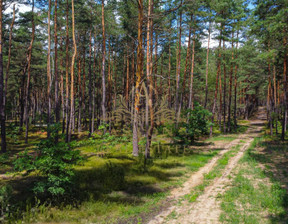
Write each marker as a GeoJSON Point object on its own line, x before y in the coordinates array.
{"type": "Point", "coordinates": [79, 124]}
{"type": "Point", "coordinates": [284, 121]}
{"type": "Point", "coordinates": [9, 57]}
{"type": "Point", "coordinates": [2, 93]}
{"type": "Point", "coordinates": [139, 74]}
{"type": "Point", "coordinates": [224, 91]}
{"type": "Point", "coordinates": [235, 86]}
{"type": "Point", "coordinates": [207, 67]}
{"type": "Point", "coordinates": [49, 79]}
{"type": "Point", "coordinates": [67, 70]}
{"type": "Point", "coordinates": [56, 85]}
{"type": "Point", "coordinates": [72, 74]}
{"type": "Point", "coordinates": [103, 68]}
{"type": "Point", "coordinates": [29, 55]}
{"type": "Point", "coordinates": [149, 68]}
{"type": "Point", "coordinates": [191, 100]}
{"type": "Point", "coordinates": [90, 84]}
{"type": "Point", "coordinates": [216, 84]}
{"type": "Point", "coordinates": [230, 86]}
{"type": "Point", "coordinates": [185, 72]}
{"type": "Point", "coordinates": [127, 78]}
{"type": "Point", "coordinates": [169, 77]}
{"type": "Point", "coordinates": [178, 68]}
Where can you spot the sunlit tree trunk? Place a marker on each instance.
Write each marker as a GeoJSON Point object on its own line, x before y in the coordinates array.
{"type": "Point", "coordinates": [149, 69]}
{"type": "Point", "coordinates": [178, 68]}
{"type": "Point", "coordinates": [284, 88]}
{"type": "Point", "coordinates": [191, 100]}
{"type": "Point", "coordinates": [235, 85]}
{"type": "Point", "coordinates": [67, 70]}
{"type": "Point", "coordinates": [185, 72]}
{"type": "Point", "coordinates": [224, 90]}
{"type": "Point", "coordinates": [103, 105]}
{"type": "Point", "coordinates": [90, 90]}
{"type": "Point", "coordinates": [56, 86]}
{"type": "Point", "coordinates": [72, 74]}
{"type": "Point", "coordinates": [216, 84]}
{"type": "Point", "coordinates": [139, 74]}
{"type": "Point", "coordinates": [230, 85]}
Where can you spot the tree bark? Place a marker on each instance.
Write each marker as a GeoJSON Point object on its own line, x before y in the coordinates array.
{"type": "Point", "coordinates": [224, 90]}
{"type": "Point", "coordinates": [284, 88]}
{"type": "Point", "coordinates": [103, 68]}
{"type": "Point", "coordinates": [72, 74]}
{"type": "Point", "coordinates": [49, 79]}
{"type": "Point", "coordinates": [9, 57]}
{"type": "Point", "coordinates": [216, 84]}
{"type": "Point", "coordinates": [149, 69]}
{"type": "Point", "coordinates": [230, 86]}
{"type": "Point", "coordinates": [207, 67]}
{"type": "Point", "coordinates": [67, 70]}
{"type": "Point", "coordinates": [90, 85]}
{"type": "Point", "coordinates": [191, 100]}
{"type": "Point", "coordinates": [2, 93]}
{"type": "Point", "coordinates": [139, 74]}
{"type": "Point", "coordinates": [56, 85]}
{"type": "Point", "coordinates": [29, 55]}
{"type": "Point", "coordinates": [178, 68]}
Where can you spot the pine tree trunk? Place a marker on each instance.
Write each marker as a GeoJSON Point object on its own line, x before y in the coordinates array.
{"type": "Point", "coordinates": [224, 90]}
{"type": "Point", "coordinates": [56, 85]}
{"type": "Point", "coordinates": [139, 75]}
{"type": "Point", "coordinates": [191, 100]}
{"type": "Point", "coordinates": [230, 86]}
{"type": "Point", "coordinates": [178, 68]}
{"type": "Point", "coordinates": [216, 84]}
{"type": "Point", "coordinates": [90, 77]}
{"type": "Point", "coordinates": [284, 121]}
{"type": "Point", "coordinates": [2, 93]}
{"type": "Point", "coordinates": [29, 56]}
{"type": "Point", "coordinates": [185, 72]}
{"type": "Point", "coordinates": [207, 67]}
{"type": "Point", "coordinates": [67, 71]}
{"type": "Point", "coordinates": [103, 105]}
{"type": "Point", "coordinates": [149, 69]}
{"type": "Point", "coordinates": [235, 86]}
{"type": "Point", "coordinates": [49, 79]}
{"type": "Point", "coordinates": [9, 57]}
{"type": "Point", "coordinates": [72, 75]}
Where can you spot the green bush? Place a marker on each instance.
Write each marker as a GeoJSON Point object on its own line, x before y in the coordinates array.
{"type": "Point", "coordinates": [197, 124]}
{"type": "Point", "coordinates": [5, 195]}
{"type": "Point", "coordinates": [53, 164]}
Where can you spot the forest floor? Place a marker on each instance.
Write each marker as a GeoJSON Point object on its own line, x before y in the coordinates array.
{"type": "Point", "coordinates": [233, 178]}
{"type": "Point", "coordinates": [245, 183]}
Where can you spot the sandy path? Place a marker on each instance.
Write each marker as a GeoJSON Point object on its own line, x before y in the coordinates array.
{"type": "Point", "coordinates": [207, 208]}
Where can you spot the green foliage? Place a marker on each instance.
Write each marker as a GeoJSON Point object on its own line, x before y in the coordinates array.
{"type": "Point", "coordinates": [53, 163]}
{"type": "Point", "coordinates": [5, 195]}
{"type": "Point", "coordinates": [197, 124]}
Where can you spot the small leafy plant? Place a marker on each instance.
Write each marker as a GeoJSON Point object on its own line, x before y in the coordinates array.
{"type": "Point", "coordinates": [53, 164]}
{"type": "Point", "coordinates": [197, 124]}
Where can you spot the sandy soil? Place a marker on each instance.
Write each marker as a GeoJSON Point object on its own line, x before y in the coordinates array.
{"type": "Point", "coordinates": [207, 208]}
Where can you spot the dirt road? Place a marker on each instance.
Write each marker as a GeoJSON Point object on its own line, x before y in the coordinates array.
{"type": "Point", "coordinates": [207, 209]}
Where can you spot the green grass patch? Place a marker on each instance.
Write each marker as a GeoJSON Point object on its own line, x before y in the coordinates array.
{"type": "Point", "coordinates": [255, 197]}
{"type": "Point", "coordinates": [214, 173]}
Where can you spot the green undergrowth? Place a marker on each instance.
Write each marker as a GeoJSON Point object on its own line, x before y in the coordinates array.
{"type": "Point", "coordinates": [255, 196]}
{"type": "Point", "coordinates": [112, 186]}
{"type": "Point", "coordinates": [214, 173]}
